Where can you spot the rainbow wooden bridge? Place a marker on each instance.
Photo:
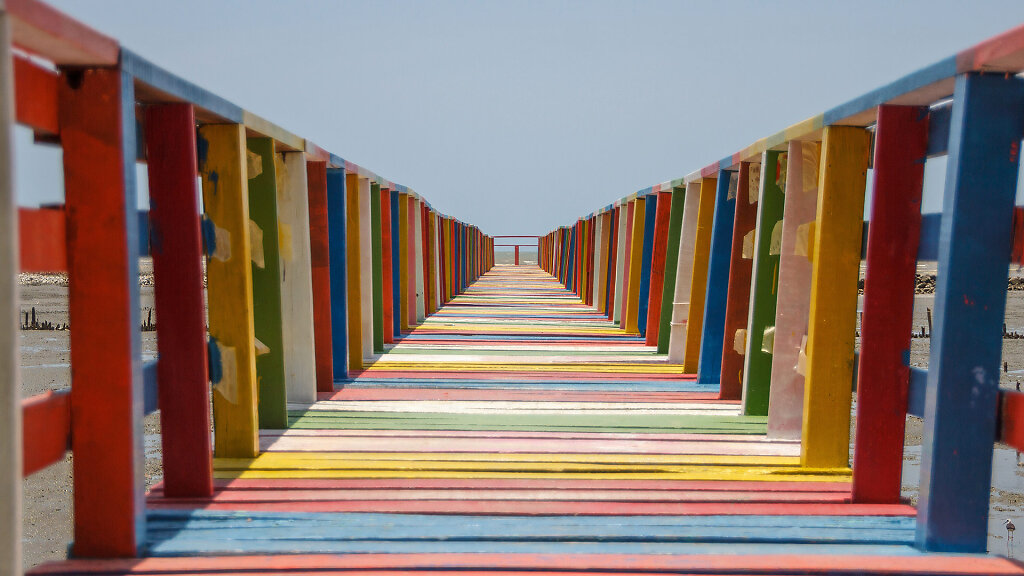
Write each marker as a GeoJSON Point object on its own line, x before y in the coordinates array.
{"type": "Point", "coordinates": [669, 391]}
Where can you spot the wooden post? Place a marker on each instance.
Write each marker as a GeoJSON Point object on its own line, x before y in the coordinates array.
{"type": "Point", "coordinates": [833, 319]}
{"type": "Point", "coordinates": [366, 288]}
{"type": "Point", "coordinates": [266, 283]}
{"type": "Point", "coordinates": [646, 256]}
{"type": "Point", "coordinates": [740, 268]}
{"type": "Point", "coordinates": [320, 263]}
{"type": "Point", "coordinates": [517, 255]}
{"type": "Point", "coordinates": [757, 368]}
{"type": "Point", "coordinates": [377, 262]}
{"type": "Point", "coordinates": [353, 270]}
{"type": "Point", "coordinates": [222, 165]}
{"type": "Point", "coordinates": [614, 264]}
{"type": "Point", "coordinates": [10, 382]}
{"type": "Point", "coordinates": [417, 228]}
{"type": "Point", "coordinates": [699, 281]}
{"type": "Point", "coordinates": [396, 264]}
{"type": "Point", "coordinates": [675, 225]}
{"type": "Point", "coordinates": [792, 306]}
{"type": "Point", "coordinates": [970, 302]}
{"type": "Point", "coordinates": [387, 269]}
{"type": "Point", "coordinates": [684, 275]}
{"type": "Point", "coordinates": [636, 247]}
{"type": "Point", "coordinates": [901, 141]}
{"type": "Point", "coordinates": [297, 320]}
{"type": "Point", "coordinates": [340, 284]}
{"type": "Point", "coordinates": [412, 256]}
{"type": "Point", "coordinates": [626, 252]}
{"type": "Point", "coordinates": [659, 251]}
{"type": "Point", "coordinates": [709, 367]}
{"type": "Point", "coordinates": [177, 251]}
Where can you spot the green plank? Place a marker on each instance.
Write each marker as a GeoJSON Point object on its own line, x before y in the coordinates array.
{"type": "Point", "coordinates": [764, 288]}
{"type": "Point", "coordinates": [642, 423]}
{"type": "Point", "coordinates": [675, 225]}
{"type": "Point", "coordinates": [378, 274]}
{"type": "Point", "coordinates": [266, 283]}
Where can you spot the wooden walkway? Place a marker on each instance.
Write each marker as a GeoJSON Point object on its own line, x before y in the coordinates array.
{"type": "Point", "coordinates": [514, 431]}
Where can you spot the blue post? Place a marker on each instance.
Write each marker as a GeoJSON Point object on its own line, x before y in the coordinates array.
{"type": "Point", "coordinates": [709, 367]}
{"type": "Point", "coordinates": [650, 207]}
{"type": "Point", "coordinates": [396, 293]}
{"type": "Point", "coordinates": [339, 292]}
{"type": "Point", "coordinates": [970, 300]}
{"type": "Point", "coordinates": [571, 268]}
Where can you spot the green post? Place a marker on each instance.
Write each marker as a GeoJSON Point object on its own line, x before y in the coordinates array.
{"type": "Point", "coordinates": [378, 273]}
{"type": "Point", "coordinates": [675, 225]}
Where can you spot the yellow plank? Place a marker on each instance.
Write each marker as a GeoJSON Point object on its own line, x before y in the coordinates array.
{"type": "Point", "coordinates": [403, 261]}
{"type": "Point", "coordinates": [699, 279]}
{"type": "Point", "coordinates": [636, 249]}
{"type": "Point", "coordinates": [486, 460]}
{"type": "Point", "coordinates": [724, 473]}
{"type": "Point", "coordinates": [229, 291]}
{"type": "Point", "coordinates": [352, 265]}
{"type": "Point", "coordinates": [833, 313]}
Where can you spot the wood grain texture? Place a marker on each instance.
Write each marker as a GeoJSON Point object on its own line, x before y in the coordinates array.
{"type": "Point", "coordinates": [658, 259]}
{"type": "Point", "coordinates": [266, 283]}
{"type": "Point", "coordinates": [833, 310]}
{"type": "Point", "coordinates": [178, 299]}
{"type": "Point", "coordinates": [320, 264]}
{"type": "Point", "coordinates": [97, 123]}
{"type": "Point", "coordinates": [740, 268]}
{"type": "Point", "coordinates": [901, 137]}
{"type": "Point", "coordinates": [709, 367]}
{"type": "Point", "coordinates": [699, 279]}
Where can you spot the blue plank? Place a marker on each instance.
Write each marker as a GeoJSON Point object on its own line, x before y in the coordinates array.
{"type": "Point", "coordinates": [152, 75]}
{"type": "Point", "coordinates": [650, 209]}
{"type": "Point", "coordinates": [938, 129]}
{"type": "Point", "coordinates": [336, 216]}
{"type": "Point", "coordinates": [709, 367]}
{"type": "Point", "coordinates": [928, 247]}
{"type": "Point", "coordinates": [396, 292]}
{"type": "Point", "coordinates": [929, 75]}
{"type": "Point", "coordinates": [917, 391]}
{"type": "Point", "coordinates": [150, 390]}
{"type": "Point", "coordinates": [970, 300]}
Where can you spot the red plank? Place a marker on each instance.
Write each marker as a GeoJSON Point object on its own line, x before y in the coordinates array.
{"type": "Point", "coordinates": [106, 383]}
{"type": "Point", "coordinates": [529, 395]}
{"type": "Point", "coordinates": [43, 30]}
{"type": "Point", "coordinates": [1011, 419]}
{"type": "Point", "coordinates": [320, 262]}
{"type": "Point", "coordinates": [738, 301]}
{"type": "Point", "coordinates": [658, 256]}
{"type": "Point", "coordinates": [46, 421]}
{"type": "Point", "coordinates": [901, 140]}
{"type": "Point", "coordinates": [386, 266]}
{"type": "Point", "coordinates": [181, 316]}
{"type": "Point", "coordinates": [1017, 254]}
{"type": "Point", "coordinates": [42, 239]}
{"type": "Point", "coordinates": [35, 96]}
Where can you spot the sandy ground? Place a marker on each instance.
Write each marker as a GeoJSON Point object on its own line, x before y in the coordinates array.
{"type": "Point", "coordinates": [45, 366]}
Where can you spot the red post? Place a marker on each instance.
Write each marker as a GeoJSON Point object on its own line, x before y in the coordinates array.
{"type": "Point", "coordinates": [738, 296]}
{"type": "Point", "coordinates": [613, 257]}
{"type": "Point", "coordinates": [386, 266]}
{"type": "Point", "coordinates": [658, 256]}
{"type": "Point", "coordinates": [320, 262]}
{"type": "Point", "coordinates": [517, 254]}
{"type": "Point", "coordinates": [98, 136]}
{"type": "Point", "coordinates": [901, 140]}
{"type": "Point", "coordinates": [181, 318]}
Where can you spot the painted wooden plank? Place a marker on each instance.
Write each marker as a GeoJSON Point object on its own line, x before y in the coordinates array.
{"type": "Point", "coordinates": [266, 283]}
{"type": "Point", "coordinates": [709, 366]}
{"type": "Point", "coordinates": [409, 263]}
{"type": "Point", "coordinates": [429, 260]}
{"type": "Point", "coordinates": [631, 302]}
{"type": "Point", "coordinates": [353, 267]}
{"type": "Point", "coordinates": [387, 327]}
{"type": "Point", "coordinates": [377, 265]}
{"type": "Point", "coordinates": [365, 263]}
{"type": "Point", "coordinates": [97, 125]}
{"type": "Point", "coordinates": [178, 299]}
{"type": "Point", "coordinates": [900, 142]}
{"type": "Point", "coordinates": [757, 366]}
{"type": "Point", "coordinates": [624, 215]}
{"type": "Point", "coordinates": [35, 96]}
{"type": "Point", "coordinates": [699, 279]}
{"type": "Point", "coordinates": [792, 306]}
{"type": "Point", "coordinates": [836, 266]}
{"type": "Point", "coordinates": [613, 264]}
{"type": "Point", "coordinates": [338, 235]}
{"type": "Point", "coordinates": [320, 265]}
{"type": "Point", "coordinates": [684, 275]}
{"type": "Point", "coordinates": [658, 258]}
{"type": "Point", "coordinates": [42, 239]}
{"type": "Point", "coordinates": [45, 436]}
{"type": "Point", "coordinates": [970, 300]}
{"type": "Point", "coordinates": [416, 217]}
{"type": "Point", "coordinates": [156, 85]}
{"type": "Point", "coordinates": [297, 320]}
{"type": "Point", "coordinates": [647, 255]}
{"type": "Point", "coordinates": [740, 268]}
{"type": "Point", "coordinates": [675, 222]}
{"type": "Point", "coordinates": [599, 255]}
{"type": "Point", "coordinates": [396, 264]}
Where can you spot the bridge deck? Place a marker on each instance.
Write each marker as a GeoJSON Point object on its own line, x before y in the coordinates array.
{"type": "Point", "coordinates": [518, 431]}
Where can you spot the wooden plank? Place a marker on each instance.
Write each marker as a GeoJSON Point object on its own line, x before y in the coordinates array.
{"type": "Point", "coordinates": [377, 266]}
{"type": "Point", "coordinates": [46, 435]}
{"type": "Point", "coordinates": [266, 283]}
{"type": "Point", "coordinates": [625, 216]}
{"type": "Point", "coordinates": [901, 138]}
{"type": "Point", "coordinates": [320, 264]}
{"type": "Point", "coordinates": [154, 85]}
{"type": "Point", "coordinates": [833, 309]}
{"type": "Point", "coordinates": [740, 268]}
{"type": "Point", "coordinates": [387, 269]}
{"type": "Point", "coordinates": [757, 366]}
{"type": "Point", "coordinates": [97, 126]}
{"type": "Point", "coordinates": [709, 366]}
{"type": "Point", "coordinates": [222, 165]}
{"type": "Point", "coordinates": [599, 262]}
{"type": "Point", "coordinates": [684, 274]}
{"type": "Point", "coordinates": [403, 262]}
{"type": "Point", "coordinates": [35, 96]}
{"type": "Point", "coordinates": [353, 266]}
{"type": "Point", "coordinates": [410, 262]}
{"type": "Point", "coordinates": [338, 233]}
{"type": "Point", "coordinates": [365, 263]}
{"type": "Point", "coordinates": [178, 299]}
{"type": "Point", "coordinates": [42, 239]}
{"type": "Point", "coordinates": [699, 279]}
{"type": "Point", "coordinates": [43, 30]}
{"type": "Point", "coordinates": [396, 264]}
{"type": "Point", "coordinates": [416, 226]}
{"type": "Point", "coordinates": [659, 250]}
{"type": "Point", "coordinates": [631, 302]}
{"type": "Point", "coordinates": [297, 319]}
{"type": "Point", "coordinates": [675, 224]}
{"type": "Point", "coordinates": [792, 306]}
{"type": "Point", "coordinates": [647, 255]}
{"type": "Point", "coordinates": [970, 300]}
{"type": "Point", "coordinates": [613, 263]}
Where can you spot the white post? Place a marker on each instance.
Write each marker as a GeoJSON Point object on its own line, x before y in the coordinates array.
{"type": "Point", "coordinates": [418, 243]}
{"type": "Point", "coordinates": [684, 274]}
{"type": "Point", "coordinates": [366, 268]}
{"type": "Point", "coordinates": [620, 262]}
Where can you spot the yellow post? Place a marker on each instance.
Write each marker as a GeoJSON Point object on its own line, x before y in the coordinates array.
{"type": "Point", "coordinates": [636, 249]}
{"type": "Point", "coordinates": [403, 261]}
{"type": "Point", "coordinates": [355, 282]}
{"type": "Point", "coordinates": [222, 165]}
{"type": "Point", "coordinates": [699, 280]}
{"type": "Point", "coordinates": [833, 313]}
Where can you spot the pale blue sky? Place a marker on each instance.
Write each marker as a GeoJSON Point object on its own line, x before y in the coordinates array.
{"type": "Point", "coordinates": [520, 116]}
